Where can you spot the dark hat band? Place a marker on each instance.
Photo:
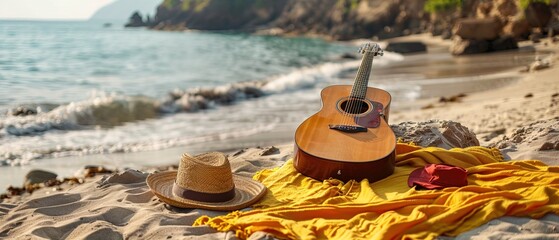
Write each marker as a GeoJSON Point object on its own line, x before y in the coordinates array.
{"type": "Point", "coordinates": [202, 196]}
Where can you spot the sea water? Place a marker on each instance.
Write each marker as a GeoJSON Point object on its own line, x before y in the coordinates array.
{"type": "Point", "coordinates": [78, 88]}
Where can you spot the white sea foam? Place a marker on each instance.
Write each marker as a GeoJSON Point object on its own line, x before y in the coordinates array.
{"type": "Point", "coordinates": [310, 77]}
{"type": "Point", "coordinates": [110, 123]}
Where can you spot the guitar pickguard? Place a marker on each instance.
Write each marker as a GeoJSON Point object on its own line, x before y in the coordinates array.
{"type": "Point", "coordinates": [371, 119]}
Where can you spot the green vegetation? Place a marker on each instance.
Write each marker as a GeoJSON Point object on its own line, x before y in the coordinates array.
{"type": "Point", "coordinates": [433, 6]}
{"type": "Point", "coordinates": [170, 4]}
{"type": "Point", "coordinates": [201, 4]}
{"type": "Point", "coordinates": [353, 4]}
{"type": "Point", "coordinates": [185, 5]}
{"type": "Point", "coordinates": [347, 5]}
{"type": "Point", "coordinates": [524, 3]}
{"type": "Point", "coordinates": [198, 5]}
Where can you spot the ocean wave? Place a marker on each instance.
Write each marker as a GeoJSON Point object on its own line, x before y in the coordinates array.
{"type": "Point", "coordinates": [109, 109]}
{"type": "Point", "coordinates": [17, 157]}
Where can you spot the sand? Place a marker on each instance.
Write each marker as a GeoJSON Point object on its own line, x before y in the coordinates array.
{"type": "Point", "coordinates": [521, 119]}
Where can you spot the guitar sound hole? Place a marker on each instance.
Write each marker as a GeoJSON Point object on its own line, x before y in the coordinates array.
{"type": "Point", "coordinates": [354, 106]}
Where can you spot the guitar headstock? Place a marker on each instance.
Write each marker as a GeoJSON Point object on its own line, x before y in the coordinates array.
{"type": "Point", "coordinates": [371, 48]}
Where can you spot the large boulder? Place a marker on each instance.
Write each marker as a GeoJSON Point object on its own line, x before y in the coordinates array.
{"type": "Point", "coordinates": [435, 133]}
{"type": "Point", "coordinates": [469, 46]}
{"type": "Point", "coordinates": [406, 47]}
{"type": "Point", "coordinates": [478, 29]}
{"type": "Point", "coordinates": [517, 28]}
{"type": "Point", "coordinates": [503, 43]}
{"type": "Point", "coordinates": [538, 14]}
{"type": "Point", "coordinates": [504, 8]}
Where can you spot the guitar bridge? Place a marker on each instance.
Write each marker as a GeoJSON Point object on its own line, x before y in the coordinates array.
{"type": "Point", "coordinates": [348, 128]}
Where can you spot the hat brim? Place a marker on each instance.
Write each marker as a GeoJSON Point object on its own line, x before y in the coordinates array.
{"type": "Point", "coordinates": [247, 192]}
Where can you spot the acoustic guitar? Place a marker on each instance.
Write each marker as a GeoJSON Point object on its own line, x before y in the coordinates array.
{"type": "Point", "coordinates": [349, 138]}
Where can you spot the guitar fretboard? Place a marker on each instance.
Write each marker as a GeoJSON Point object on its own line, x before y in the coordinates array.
{"type": "Point", "coordinates": [359, 89]}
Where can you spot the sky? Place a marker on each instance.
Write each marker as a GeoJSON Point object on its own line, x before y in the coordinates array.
{"type": "Point", "coordinates": [50, 9]}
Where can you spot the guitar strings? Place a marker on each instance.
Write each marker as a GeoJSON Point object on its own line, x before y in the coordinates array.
{"type": "Point", "coordinates": [357, 103]}
{"type": "Point", "coordinates": [347, 109]}
{"type": "Point", "coordinates": [364, 90]}
{"type": "Point", "coordinates": [350, 107]}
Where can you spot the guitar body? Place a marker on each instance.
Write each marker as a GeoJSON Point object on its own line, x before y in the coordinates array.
{"type": "Point", "coordinates": [323, 152]}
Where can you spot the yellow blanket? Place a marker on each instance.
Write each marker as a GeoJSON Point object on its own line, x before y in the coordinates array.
{"type": "Point", "coordinates": [299, 207]}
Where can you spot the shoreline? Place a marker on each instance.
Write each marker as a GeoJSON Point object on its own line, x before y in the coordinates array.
{"type": "Point", "coordinates": [65, 166]}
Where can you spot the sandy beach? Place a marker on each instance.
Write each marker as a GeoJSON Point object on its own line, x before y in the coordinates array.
{"type": "Point", "coordinates": [519, 117]}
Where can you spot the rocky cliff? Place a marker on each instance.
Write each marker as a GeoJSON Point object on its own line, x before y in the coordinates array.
{"type": "Point", "coordinates": [217, 14]}
{"type": "Point", "coordinates": [338, 19]}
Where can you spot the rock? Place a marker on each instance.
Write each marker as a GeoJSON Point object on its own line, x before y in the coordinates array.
{"type": "Point", "coordinates": [348, 56]}
{"type": "Point", "coordinates": [437, 133]}
{"type": "Point", "coordinates": [533, 140]}
{"type": "Point", "coordinates": [455, 98]}
{"type": "Point", "coordinates": [535, 37]}
{"type": "Point", "coordinates": [505, 8]}
{"type": "Point", "coordinates": [540, 64]}
{"type": "Point", "coordinates": [468, 46]}
{"type": "Point", "coordinates": [495, 133]}
{"type": "Point", "coordinates": [38, 176]}
{"type": "Point", "coordinates": [239, 152]}
{"type": "Point", "coordinates": [517, 28]}
{"type": "Point", "coordinates": [537, 14]}
{"type": "Point", "coordinates": [446, 34]}
{"type": "Point", "coordinates": [484, 9]}
{"type": "Point", "coordinates": [92, 170]}
{"type": "Point", "coordinates": [135, 21]}
{"type": "Point", "coordinates": [503, 43]}
{"type": "Point", "coordinates": [406, 47]}
{"type": "Point", "coordinates": [22, 111]}
{"type": "Point", "coordinates": [478, 29]}
{"type": "Point", "coordinates": [270, 151]}
{"type": "Point", "coordinates": [547, 146]}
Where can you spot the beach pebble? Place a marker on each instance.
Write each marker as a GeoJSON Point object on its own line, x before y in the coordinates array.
{"type": "Point", "coordinates": [547, 146]}
{"type": "Point", "coordinates": [270, 151]}
{"type": "Point", "coordinates": [22, 111]}
{"type": "Point", "coordinates": [38, 176]}
{"type": "Point", "coordinates": [540, 64]}
{"type": "Point", "coordinates": [92, 170]}
{"type": "Point", "coordinates": [406, 47]}
{"type": "Point", "coordinates": [348, 56]}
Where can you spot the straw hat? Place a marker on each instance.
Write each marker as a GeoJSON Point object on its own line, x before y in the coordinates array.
{"type": "Point", "coordinates": [205, 181]}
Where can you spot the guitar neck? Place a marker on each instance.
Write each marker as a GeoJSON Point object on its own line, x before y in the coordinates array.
{"type": "Point", "coordinates": [359, 89]}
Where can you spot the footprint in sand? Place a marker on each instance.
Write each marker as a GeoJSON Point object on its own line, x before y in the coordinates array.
{"type": "Point", "coordinates": [52, 200]}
